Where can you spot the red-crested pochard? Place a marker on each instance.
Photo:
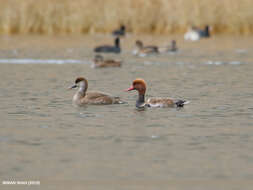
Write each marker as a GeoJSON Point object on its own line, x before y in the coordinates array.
{"type": "Point", "coordinates": [142, 50]}
{"type": "Point", "coordinates": [140, 86]}
{"type": "Point", "coordinates": [100, 62]}
{"type": "Point", "coordinates": [97, 98]}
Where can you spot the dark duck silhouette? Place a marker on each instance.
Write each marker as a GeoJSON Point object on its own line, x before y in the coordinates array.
{"type": "Point", "coordinates": [120, 32]}
{"type": "Point", "coordinates": [109, 48]}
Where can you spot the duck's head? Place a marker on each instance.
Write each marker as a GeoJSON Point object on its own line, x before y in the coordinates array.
{"type": "Point", "coordinates": [80, 83]}
{"type": "Point", "coordinates": [122, 27]}
{"type": "Point", "coordinates": [139, 85]}
{"type": "Point", "coordinates": [139, 44]}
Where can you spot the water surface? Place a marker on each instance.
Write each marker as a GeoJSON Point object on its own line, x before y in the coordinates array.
{"type": "Point", "coordinates": [206, 145]}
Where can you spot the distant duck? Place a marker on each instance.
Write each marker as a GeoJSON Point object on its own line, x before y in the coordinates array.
{"type": "Point", "coordinates": [100, 62]}
{"type": "Point", "coordinates": [109, 48]}
{"type": "Point", "coordinates": [195, 34]}
{"type": "Point", "coordinates": [142, 50]}
{"type": "Point", "coordinates": [171, 48]}
{"type": "Point", "coordinates": [120, 32]}
{"type": "Point", "coordinates": [140, 86]}
{"type": "Point", "coordinates": [82, 97]}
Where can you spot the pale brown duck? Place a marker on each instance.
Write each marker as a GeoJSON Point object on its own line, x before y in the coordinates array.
{"type": "Point", "coordinates": [97, 98]}
{"type": "Point", "coordinates": [100, 62]}
{"type": "Point", "coordinates": [140, 86]}
{"type": "Point", "coordinates": [143, 51]}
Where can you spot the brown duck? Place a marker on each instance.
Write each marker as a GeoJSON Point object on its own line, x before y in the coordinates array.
{"type": "Point", "coordinates": [100, 62]}
{"type": "Point", "coordinates": [96, 98]}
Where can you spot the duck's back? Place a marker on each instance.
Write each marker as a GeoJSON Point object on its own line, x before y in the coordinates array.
{"type": "Point", "coordinates": [110, 63]}
{"type": "Point", "coordinates": [99, 98]}
{"type": "Point", "coordinates": [119, 33]}
{"type": "Point", "coordinates": [160, 102]}
{"type": "Point", "coordinates": [107, 49]}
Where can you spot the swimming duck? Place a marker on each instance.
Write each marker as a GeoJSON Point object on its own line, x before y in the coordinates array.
{"type": "Point", "coordinates": [171, 48]}
{"type": "Point", "coordinates": [96, 98]}
{"type": "Point", "coordinates": [120, 32]}
{"type": "Point", "coordinates": [108, 48]}
{"type": "Point", "coordinates": [142, 50]}
{"type": "Point", "coordinates": [195, 34]}
{"type": "Point", "coordinates": [140, 86]}
{"type": "Point", "coordinates": [100, 62]}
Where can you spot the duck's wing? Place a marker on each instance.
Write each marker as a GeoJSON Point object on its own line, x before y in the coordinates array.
{"type": "Point", "coordinates": [118, 33]}
{"type": "Point", "coordinates": [160, 102]}
{"type": "Point", "coordinates": [112, 63]}
{"type": "Point", "coordinates": [100, 98]}
{"type": "Point", "coordinates": [149, 50]}
{"type": "Point", "coordinates": [104, 48]}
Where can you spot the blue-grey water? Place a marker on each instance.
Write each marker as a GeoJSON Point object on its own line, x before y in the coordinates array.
{"type": "Point", "coordinates": [206, 145]}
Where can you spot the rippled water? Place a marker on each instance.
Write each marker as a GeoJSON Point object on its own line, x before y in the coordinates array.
{"type": "Point", "coordinates": [43, 137]}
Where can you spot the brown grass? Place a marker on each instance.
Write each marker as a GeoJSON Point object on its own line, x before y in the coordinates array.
{"type": "Point", "coordinates": [140, 16]}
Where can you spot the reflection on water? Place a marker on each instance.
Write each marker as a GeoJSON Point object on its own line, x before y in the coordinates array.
{"type": "Point", "coordinates": [44, 137]}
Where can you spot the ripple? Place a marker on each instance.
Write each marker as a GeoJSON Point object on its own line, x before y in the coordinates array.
{"type": "Point", "coordinates": [42, 61]}
{"type": "Point", "coordinates": [87, 114]}
{"type": "Point", "coordinates": [4, 139]}
{"type": "Point", "coordinates": [24, 142]}
{"type": "Point", "coordinates": [241, 51]}
{"type": "Point", "coordinates": [224, 63]}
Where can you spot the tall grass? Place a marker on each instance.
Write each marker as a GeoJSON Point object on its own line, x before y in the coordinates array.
{"type": "Point", "coordinates": [140, 16]}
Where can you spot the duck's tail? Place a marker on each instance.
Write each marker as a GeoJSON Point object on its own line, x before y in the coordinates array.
{"type": "Point", "coordinates": [181, 103]}
{"type": "Point", "coordinates": [117, 100]}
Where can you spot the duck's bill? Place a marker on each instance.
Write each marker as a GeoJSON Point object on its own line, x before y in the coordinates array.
{"type": "Point", "coordinates": [74, 86]}
{"type": "Point", "coordinates": [129, 89]}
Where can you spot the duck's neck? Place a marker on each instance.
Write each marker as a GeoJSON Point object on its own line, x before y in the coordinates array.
{"type": "Point", "coordinates": [82, 91]}
{"type": "Point", "coordinates": [80, 94]}
{"type": "Point", "coordinates": [141, 100]}
{"type": "Point", "coordinates": [173, 46]}
{"type": "Point", "coordinates": [207, 31]}
{"type": "Point", "coordinates": [117, 45]}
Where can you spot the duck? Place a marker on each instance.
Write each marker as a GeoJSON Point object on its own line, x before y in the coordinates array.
{"type": "Point", "coordinates": [140, 86]}
{"type": "Point", "coordinates": [109, 48]}
{"type": "Point", "coordinates": [100, 62]}
{"type": "Point", "coordinates": [195, 34]}
{"type": "Point", "coordinates": [82, 97]}
{"type": "Point", "coordinates": [171, 48]}
{"type": "Point", "coordinates": [142, 50]}
{"type": "Point", "coordinates": [119, 32]}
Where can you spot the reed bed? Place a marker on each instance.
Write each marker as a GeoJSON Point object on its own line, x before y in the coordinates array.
{"type": "Point", "coordinates": [140, 16]}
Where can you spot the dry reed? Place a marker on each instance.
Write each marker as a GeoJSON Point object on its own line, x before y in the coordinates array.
{"type": "Point", "coordinates": [140, 16]}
